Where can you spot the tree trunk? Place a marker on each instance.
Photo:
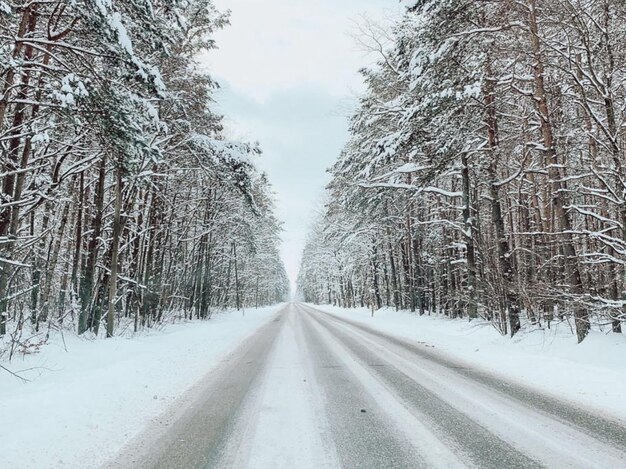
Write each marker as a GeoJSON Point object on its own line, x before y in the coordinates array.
{"type": "Point", "coordinates": [87, 281]}
{"type": "Point", "coordinates": [115, 246]}
{"type": "Point", "coordinates": [468, 220]}
{"type": "Point", "coordinates": [573, 274]}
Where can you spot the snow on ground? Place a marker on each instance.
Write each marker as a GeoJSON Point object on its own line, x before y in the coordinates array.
{"type": "Point", "coordinates": [592, 374]}
{"type": "Point", "coordinates": [287, 427]}
{"type": "Point", "coordinates": [83, 405]}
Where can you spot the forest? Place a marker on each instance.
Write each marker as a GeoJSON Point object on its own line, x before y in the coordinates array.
{"type": "Point", "coordinates": [123, 203]}
{"type": "Point", "coordinates": [485, 174]}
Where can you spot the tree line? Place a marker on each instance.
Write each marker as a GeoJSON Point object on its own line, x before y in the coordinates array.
{"type": "Point", "coordinates": [121, 201]}
{"type": "Point", "coordinates": [485, 173]}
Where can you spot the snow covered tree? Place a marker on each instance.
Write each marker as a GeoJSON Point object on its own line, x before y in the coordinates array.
{"type": "Point", "coordinates": [486, 157]}
{"type": "Point", "coordinates": [121, 199]}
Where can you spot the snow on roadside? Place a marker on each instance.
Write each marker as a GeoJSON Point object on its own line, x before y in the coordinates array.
{"type": "Point", "coordinates": [83, 405]}
{"type": "Point", "coordinates": [286, 425]}
{"type": "Point", "coordinates": [592, 374]}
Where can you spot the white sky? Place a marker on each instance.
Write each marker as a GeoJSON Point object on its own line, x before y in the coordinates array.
{"type": "Point", "coordinates": [289, 76]}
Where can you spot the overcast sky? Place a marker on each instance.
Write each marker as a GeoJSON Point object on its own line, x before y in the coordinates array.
{"type": "Point", "coordinates": [289, 76]}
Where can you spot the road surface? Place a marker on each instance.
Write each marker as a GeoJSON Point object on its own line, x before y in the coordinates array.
{"type": "Point", "coordinates": [312, 390]}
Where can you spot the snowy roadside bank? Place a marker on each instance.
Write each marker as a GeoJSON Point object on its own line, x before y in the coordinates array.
{"type": "Point", "coordinates": [592, 374]}
{"type": "Point", "coordinates": [83, 405]}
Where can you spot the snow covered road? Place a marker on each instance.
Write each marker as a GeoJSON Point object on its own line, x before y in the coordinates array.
{"type": "Point", "coordinates": [311, 390]}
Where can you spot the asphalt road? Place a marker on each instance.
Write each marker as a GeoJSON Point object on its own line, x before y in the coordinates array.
{"type": "Point", "coordinates": [312, 390]}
